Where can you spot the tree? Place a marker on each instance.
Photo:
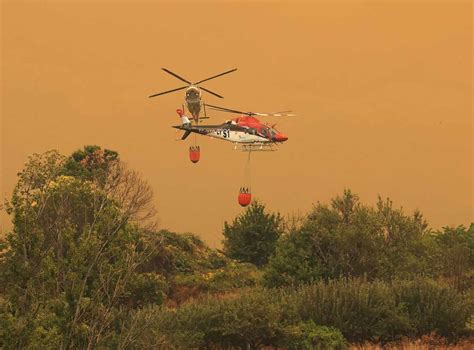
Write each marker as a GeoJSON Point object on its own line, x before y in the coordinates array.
{"type": "Point", "coordinates": [70, 264]}
{"type": "Point", "coordinates": [455, 255]}
{"type": "Point", "coordinates": [349, 239]}
{"type": "Point", "coordinates": [252, 236]}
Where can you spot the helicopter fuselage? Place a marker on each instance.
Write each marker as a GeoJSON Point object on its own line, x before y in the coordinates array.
{"type": "Point", "coordinates": [239, 130]}
{"type": "Point", "coordinates": [193, 101]}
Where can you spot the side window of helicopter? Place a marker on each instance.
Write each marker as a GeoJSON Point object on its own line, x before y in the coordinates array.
{"type": "Point", "coordinates": [265, 132]}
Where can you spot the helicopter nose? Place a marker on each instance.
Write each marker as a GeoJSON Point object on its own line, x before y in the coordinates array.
{"type": "Point", "coordinates": [280, 137]}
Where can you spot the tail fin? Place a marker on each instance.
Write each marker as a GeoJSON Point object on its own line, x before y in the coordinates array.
{"type": "Point", "coordinates": [186, 134]}
{"type": "Point", "coordinates": [184, 120]}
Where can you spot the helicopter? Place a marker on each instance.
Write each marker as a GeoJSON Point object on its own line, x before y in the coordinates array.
{"type": "Point", "coordinates": [245, 131]}
{"type": "Point", "coordinates": [193, 93]}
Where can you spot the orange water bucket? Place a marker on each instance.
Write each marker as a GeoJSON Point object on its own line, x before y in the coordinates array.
{"type": "Point", "coordinates": [244, 198]}
{"type": "Point", "coordinates": [194, 154]}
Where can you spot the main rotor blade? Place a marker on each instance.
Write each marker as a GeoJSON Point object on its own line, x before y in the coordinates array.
{"type": "Point", "coordinates": [215, 76]}
{"type": "Point", "coordinates": [176, 76]}
{"type": "Point", "coordinates": [223, 109]}
{"type": "Point", "coordinates": [276, 114]}
{"type": "Point", "coordinates": [211, 92]}
{"type": "Point", "coordinates": [162, 93]}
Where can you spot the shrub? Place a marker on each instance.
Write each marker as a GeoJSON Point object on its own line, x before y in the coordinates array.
{"type": "Point", "coordinates": [384, 311]}
{"type": "Point", "coordinates": [361, 310]}
{"type": "Point", "coordinates": [307, 335]}
{"type": "Point", "coordinates": [349, 239]}
{"type": "Point", "coordinates": [255, 318]}
{"type": "Point", "coordinates": [455, 256]}
{"type": "Point", "coordinates": [182, 254]}
{"type": "Point", "coordinates": [317, 316]}
{"type": "Point", "coordinates": [225, 279]}
{"type": "Point", "coordinates": [433, 307]}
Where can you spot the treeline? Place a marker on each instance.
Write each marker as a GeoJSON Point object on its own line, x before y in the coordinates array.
{"type": "Point", "coordinates": [350, 239]}
{"type": "Point", "coordinates": [85, 267]}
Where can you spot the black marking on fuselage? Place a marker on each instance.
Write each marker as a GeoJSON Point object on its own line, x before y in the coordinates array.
{"type": "Point", "coordinates": [209, 129]}
{"type": "Point", "coordinates": [206, 129]}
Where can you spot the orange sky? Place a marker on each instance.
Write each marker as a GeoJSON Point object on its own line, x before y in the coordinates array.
{"type": "Point", "coordinates": [382, 91]}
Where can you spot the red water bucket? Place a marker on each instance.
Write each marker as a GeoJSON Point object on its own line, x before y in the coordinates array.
{"type": "Point", "coordinates": [194, 154]}
{"type": "Point", "coordinates": [244, 198]}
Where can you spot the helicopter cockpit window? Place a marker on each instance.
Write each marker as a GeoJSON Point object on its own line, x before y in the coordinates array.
{"type": "Point", "coordinates": [273, 133]}
{"type": "Point", "coordinates": [192, 93]}
{"type": "Point", "coordinates": [264, 132]}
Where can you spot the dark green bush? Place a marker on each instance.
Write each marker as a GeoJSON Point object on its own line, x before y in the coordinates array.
{"type": "Point", "coordinates": [361, 310]}
{"type": "Point", "coordinates": [350, 239]}
{"type": "Point", "coordinates": [253, 319]}
{"type": "Point", "coordinates": [433, 307]}
{"type": "Point", "coordinates": [307, 335]}
{"type": "Point", "coordinates": [455, 256]}
{"type": "Point", "coordinates": [317, 316]}
{"type": "Point", "coordinates": [384, 311]}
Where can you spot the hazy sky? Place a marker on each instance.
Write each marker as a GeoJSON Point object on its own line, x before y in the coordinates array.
{"type": "Point", "coordinates": [383, 93]}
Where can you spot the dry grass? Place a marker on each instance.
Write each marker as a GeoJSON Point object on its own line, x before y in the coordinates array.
{"type": "Point", "coordinates": [415, 346]}
{"type": "Point", "coordinates": [426, 342]}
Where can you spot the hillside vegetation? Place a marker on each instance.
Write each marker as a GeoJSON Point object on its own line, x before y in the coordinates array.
{"type": "Point", "coordinates": [85, 267]}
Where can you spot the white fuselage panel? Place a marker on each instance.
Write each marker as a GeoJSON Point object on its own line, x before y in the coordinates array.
{"type": "Point", "coordinates": [236, 136]}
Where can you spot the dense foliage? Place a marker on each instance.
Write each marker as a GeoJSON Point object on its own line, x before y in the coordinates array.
{"type": "Point", "coordinates": [249, 320]}
{"type": "Point", "coordinates": [85, 267]}
{"type": "Point", "coordinates": [349, 239]}
{"type": "Point", "coordinates": [352, 309]}
{"type": "Point", "coordinates": [252, 236]}
{"type": "Point", "coordinates": [68, 267]}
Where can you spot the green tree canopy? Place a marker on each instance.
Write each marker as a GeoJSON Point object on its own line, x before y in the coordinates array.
{"type": "Point", "coordinates": [455, 255]}
{"type": "Point", "coordinates": [348, 239]}
{"type": "Point", "coordinates": [69, 265]}
{"type": "Point", "coordinates": [252, 236]}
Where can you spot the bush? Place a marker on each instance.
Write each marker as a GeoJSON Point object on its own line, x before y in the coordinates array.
{"type": "Point", "coordinates": [182, 254]}
{"type": "Point", "coordinates": [349, 239]}
{"type": "Point", "coordinates": [361, 310]}
{"type": "Point", "coordinates": [307, 335]}
{"type": "Point", "coordinates": [255, 318]}
{"type": "Point", "coordinates": [384, 311]}
{"type": "Point", "coordinates": [455, 256]}
{"type": "Point", "coordinates": [225, 279]}
{"type": "Point", "coordinates": [433, 307]}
